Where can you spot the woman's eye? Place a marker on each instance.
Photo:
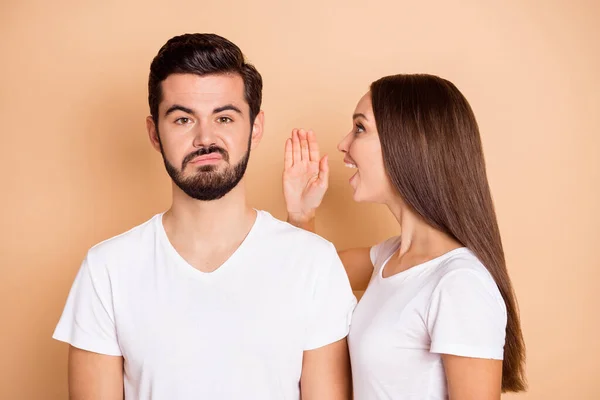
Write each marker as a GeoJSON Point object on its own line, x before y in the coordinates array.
{"type": "Point", "coordinates": [358, 128]}
{"type": "Point", "coordinates": [224, 120]}
{"type": "Point", "coordinates": [182, 121]}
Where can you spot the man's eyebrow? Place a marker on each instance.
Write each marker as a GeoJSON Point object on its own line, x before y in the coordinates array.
{"type": "Point", "coordinates": [177, 107]}
{"type": "Point", "coordinates": [227, 107]}
{"type": "Point", "coordinates": [359, 115]}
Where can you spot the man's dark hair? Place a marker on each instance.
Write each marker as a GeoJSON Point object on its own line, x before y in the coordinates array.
{"type": "Point", "coordinates": [202, 54]}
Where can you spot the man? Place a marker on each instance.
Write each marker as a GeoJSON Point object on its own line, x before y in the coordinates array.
{"type": "Point", "coordinates": [211, 299]}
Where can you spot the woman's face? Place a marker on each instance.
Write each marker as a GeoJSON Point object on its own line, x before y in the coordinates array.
{"type": "Point", "coordinates": [362, 150]}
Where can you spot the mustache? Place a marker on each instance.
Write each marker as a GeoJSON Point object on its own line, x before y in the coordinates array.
{"type": "Point", "coordinates": [203, 151]}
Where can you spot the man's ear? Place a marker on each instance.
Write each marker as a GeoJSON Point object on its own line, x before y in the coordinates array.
{"type": "Point", "coordinates": [257, 129]}
{"type": "Point", "coordinates": [153, 133]}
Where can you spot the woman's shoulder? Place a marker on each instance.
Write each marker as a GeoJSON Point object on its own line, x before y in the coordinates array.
{"type": "Point", "coordinates": [463, 261]}
{"type": "Point", "coordinates": [462, 272]}
{"type": "Point", "coordinates": [382, 251]}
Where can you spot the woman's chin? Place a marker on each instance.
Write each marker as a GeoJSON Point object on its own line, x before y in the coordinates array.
{"type": "Point", "coordinates": [356, 196]}
{"type": "Point", "coordinates": [359, 195]}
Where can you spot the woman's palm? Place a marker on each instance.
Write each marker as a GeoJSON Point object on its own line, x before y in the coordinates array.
{"type": "Point", "coordinates": [305, 174]}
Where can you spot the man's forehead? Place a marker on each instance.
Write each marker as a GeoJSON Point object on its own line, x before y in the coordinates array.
{"type": "Point", "coordinates": [206, 90]}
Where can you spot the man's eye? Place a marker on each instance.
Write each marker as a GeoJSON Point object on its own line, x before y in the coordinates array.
{"type": "Point", "coordinates": [224, 120]}
{"type": "Point", "coordinates": [182, 121]}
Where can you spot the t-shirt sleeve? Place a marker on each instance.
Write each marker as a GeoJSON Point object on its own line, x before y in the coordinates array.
{"type": "Point", "coordinates": [332, 304]}
{"type": "Point", "coordinates": [374, 252]}
{"type": "Point", "coordinates": [381, 251]}
{"type": "Point", "coordinates": [467, 316]}
{"type": "Point", "coordinates": [88, 320]}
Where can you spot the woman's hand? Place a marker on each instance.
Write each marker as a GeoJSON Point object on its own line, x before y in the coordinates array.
{"type": "Point", "coordinates": [305, 176]}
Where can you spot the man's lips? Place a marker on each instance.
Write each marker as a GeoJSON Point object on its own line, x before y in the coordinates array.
{"type": "Point", "coordinates": [206, 159]}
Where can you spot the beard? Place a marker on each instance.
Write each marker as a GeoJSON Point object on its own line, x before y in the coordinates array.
{"type": "Point", "coordinates": [208, 183]}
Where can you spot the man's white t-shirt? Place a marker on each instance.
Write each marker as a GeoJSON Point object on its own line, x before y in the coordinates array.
{"type": "Point", "coordinates": [236, 333]}
{"type": "Point", "coordinates": [404, 323]}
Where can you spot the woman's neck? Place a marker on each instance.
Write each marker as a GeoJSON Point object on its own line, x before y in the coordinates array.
{"type": "Point", "coordinates": [420, 242]}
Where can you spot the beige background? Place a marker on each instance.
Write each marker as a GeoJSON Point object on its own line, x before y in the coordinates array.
{"type": "Point", "coordinates": [76, 166]}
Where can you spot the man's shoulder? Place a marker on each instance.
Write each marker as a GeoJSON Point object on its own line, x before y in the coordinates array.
{"type": "Point", "coordinates": [285, 233]}
{"type": "Point", "coordinates": [126, 243]}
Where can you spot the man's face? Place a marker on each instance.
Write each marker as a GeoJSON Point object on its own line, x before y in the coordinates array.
{"type": "Point", "coordinates": [204, 132]}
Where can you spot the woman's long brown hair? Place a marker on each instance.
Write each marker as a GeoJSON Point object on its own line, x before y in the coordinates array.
{"type": "Point", "coordinates": [433, 155]}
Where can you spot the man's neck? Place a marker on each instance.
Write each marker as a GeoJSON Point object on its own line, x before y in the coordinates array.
{"type": "Point", "coordinates": [208, 224]}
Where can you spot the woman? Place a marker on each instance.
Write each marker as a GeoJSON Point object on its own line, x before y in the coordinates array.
{"type": "Point", "coordinates": [438, 318]}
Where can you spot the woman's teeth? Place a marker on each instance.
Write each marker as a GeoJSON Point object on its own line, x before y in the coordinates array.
{"type": "Point", "coordinates": [349, 165]}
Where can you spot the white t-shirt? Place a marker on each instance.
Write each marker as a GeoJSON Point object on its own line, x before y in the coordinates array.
{"type": "Point", "coordinates": [403, 323]}
{"type": "Point", "coordinates": [236, 333]}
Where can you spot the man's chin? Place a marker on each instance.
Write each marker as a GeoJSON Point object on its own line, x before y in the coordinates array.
{"type": "Point", "coordinates": [192, 171]}
{"type": "Point", "coordinates": [207, 168]}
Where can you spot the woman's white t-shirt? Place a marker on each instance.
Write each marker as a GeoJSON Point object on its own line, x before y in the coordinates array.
{"type": "Point", "coordinates": [405, 322]}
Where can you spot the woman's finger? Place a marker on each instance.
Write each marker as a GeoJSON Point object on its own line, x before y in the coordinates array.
{"type": "Point", "coordinates": [323, 179]}
{"type": "Point", "coordinates": [288, 158]}
{"type": "Point", "coordinates": [304, 145]}
{"type": "Point", "coordinates": [296, 157]}
{"type": "Point", "coordinates": [313, 147]}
